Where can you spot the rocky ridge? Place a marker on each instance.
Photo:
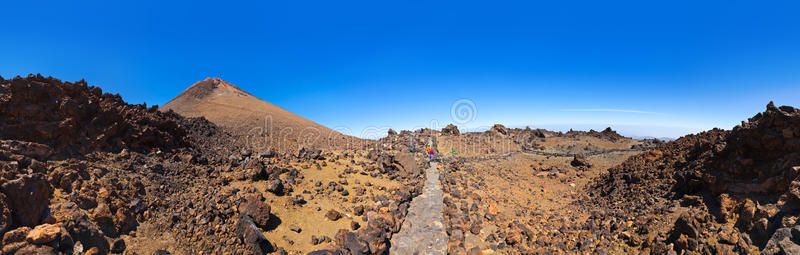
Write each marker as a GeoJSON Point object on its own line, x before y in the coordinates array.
{"type": "Point", "coordinates": [732, 191]}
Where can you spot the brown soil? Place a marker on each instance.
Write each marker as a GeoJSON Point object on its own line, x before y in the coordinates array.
{"type": "Point", "coordinates": [522, 202]}
{"type": "Point", "coordinates": [311, 216]}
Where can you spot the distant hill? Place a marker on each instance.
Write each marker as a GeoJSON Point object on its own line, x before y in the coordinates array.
{"type": "Point", "coordinates": [265, 124]}
{"type": "Point", "coordinates": [665, 139]}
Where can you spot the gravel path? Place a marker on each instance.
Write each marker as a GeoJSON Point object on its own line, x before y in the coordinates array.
{"type": "Point", "coordinates": [423, 231]}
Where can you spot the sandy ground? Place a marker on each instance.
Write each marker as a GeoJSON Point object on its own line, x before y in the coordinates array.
{"type": "Point", "coordinates": [311, 216]}
{"type": "Point", "coordinates": [533, 190]}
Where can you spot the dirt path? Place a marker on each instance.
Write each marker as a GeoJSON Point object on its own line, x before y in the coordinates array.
{"type": "Point", "coordinates": [423, 231]}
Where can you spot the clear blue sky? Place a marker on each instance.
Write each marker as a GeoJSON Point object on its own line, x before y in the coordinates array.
{"type": "Point", "coordinates": [658, 68]}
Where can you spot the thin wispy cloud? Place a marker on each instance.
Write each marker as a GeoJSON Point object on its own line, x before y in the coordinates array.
{"type": "Point", "coordinates": [607, 110]}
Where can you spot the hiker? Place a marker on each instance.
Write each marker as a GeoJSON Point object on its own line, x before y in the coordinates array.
{"type": "Point", "coordinates": [430, 154]}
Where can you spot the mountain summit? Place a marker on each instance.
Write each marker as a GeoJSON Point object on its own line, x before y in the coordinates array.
{"type": "Point", "coordinates": [210, 85]}
{"type": "Point", "coordinates": [229, 106]}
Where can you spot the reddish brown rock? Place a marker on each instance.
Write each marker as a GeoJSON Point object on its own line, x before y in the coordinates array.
{"type": "Point", "coordinates": [256, 209]}
{"type": "Point", "coordinates": [16, 235]}
{"type": "Point", "coordinates": [80, 228]}
{"type": "Point", "coordinates": [29, 195]}
{"type": "Point", "coordinates": [333, 215]}
{"type": "Point", "coordinates": [252, 236]}
{"type": "Point", "coordinates": [350, 241]}
{"type": "Point", "coordinates": [5, 214]}
{"type": "Point", "coordinates": [450, 130]}
{"type": "Point", "coordinates": [580, 160]}
{"type": "Point", "coordinates": [44, 233]}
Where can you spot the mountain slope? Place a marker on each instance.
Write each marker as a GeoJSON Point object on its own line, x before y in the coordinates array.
{"type": "Point", "coordinates": [266, 124]}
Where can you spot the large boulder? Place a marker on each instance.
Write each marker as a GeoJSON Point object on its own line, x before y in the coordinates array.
{"type": "Point", "coordinates": [500, 129]}
{"type": "Point", "coordinates": [45, 233]}
{"type": "Point", "coordinates": [350, 242]}
{"type": "Point", "coordinates": [29, 195]}
{"type": "Point", "coordinates": [450, 130]}
{"type": "Point", "coordinates": [310, 153]}
{"type": "Point", "coordinates": [252, 236]}
{"type": "Point", "coordinates": [17, 235]}
{"type": "Point", "coordinates": [36, 250]}
{"type": "Point", "coordinates": [580, 160]}
{"type": "Point", "coordinates": [275, 186]}
{"type": "Point", "coordinates": [407, 163]}
{"type": "Point", "coordinates": [257, 210]}
{"type": "Point", "coordinates": [784, 241]}
{"type": "Point", "coordinates": [77, 223]}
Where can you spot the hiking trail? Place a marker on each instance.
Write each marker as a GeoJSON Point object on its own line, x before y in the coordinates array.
{"type": "Point", "coordinates": [423, 230]}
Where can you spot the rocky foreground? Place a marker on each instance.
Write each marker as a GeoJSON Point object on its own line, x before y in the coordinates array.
{"type": "Point", "coordinates": [731, 191]}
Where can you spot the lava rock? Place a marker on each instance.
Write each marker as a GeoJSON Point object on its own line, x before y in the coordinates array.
{"type": "Point", "coordinates": [6, 217]}
{"type": "Point", "coordinates": [29, 197]}
{"type": "Point", "coordinates": [580, 160]}
{"type": "Point", "coordinates": [450, 130]}
{"type": "Point", "coordinates": [44, 233]}
{"type": "Point", "coordinates": [275, 187]}
{"type": "Point", "coordinates": [118, 246]}
{"type": "Point", "coordinates": [350, 241]}
{"type": "Point", "coordinates": [310, 153]}
{"type": "Point", "coordinates": [16, 235]}
{"type": "Point", "coordinates": [784, 241]}
{"type": "Point", "coordinates": [358, 210]}
{"type": "Point", "coordinates": [80, 228]}
{"type": "Point", "coordinates": [333, 215]}
{"type": "Point", "coordinates": [258, 211]}
{"type": "Point", "coordinates": [252, 236]}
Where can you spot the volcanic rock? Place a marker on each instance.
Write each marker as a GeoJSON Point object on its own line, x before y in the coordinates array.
{"type": "Point", "coordinates": [258, 211]}
{"type": "Point", "coordinates": [310, 153]}
{"type": "Point", "coordinates": [29, 195]}
{"type": "Point", "coordinates": [784, 241]}
{"type": "Point", "coordinates": [333, 215]}
{"type": "Point", "coordinates": [450, 130]}
{"type": "Point", "coordinates": [252, 236]}
{"type": "Point", "coordinates": [80, 228]}
{"type": "Point", "coordinates": [500, 129]}
{"type": "Point", "coordinates": [118, 246]}
{"type": "Point", "coordinates": [351, 242]}
{"type": "Point", "coordinates": [16, 235]}
{"type": "Point", "coordinates": [749, 170]}
{"type": "Point", "coordinates": [73, 119]}
{"type": "Point", "coordinates": [275, 187]}
{"type": "Point", "coordinates": [580, 160]}
{"type": "Point", "coordinates": [6, 218]}
{"type": "Point", "coordinates": [44, 233]}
